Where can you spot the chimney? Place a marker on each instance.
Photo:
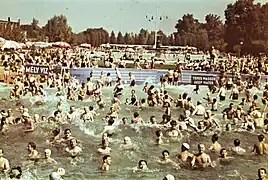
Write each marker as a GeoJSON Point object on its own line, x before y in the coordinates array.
{"type": "Point", "coordinates": [19, 22]}
{"type": "Point", "coordinates": [8, 19]}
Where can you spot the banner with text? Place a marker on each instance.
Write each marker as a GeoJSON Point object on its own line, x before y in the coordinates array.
{"type": "Point", "coordinates": [203, 80]}
{"type": "Point", "coordinates": [36, 69]}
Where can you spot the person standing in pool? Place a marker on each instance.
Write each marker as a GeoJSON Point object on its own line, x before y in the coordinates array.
{"type": "Point", "coordinates": [106, 162]}
{"type": "Point", "coordinates": [82, 92]}
{"type": "Point", "coordinates": [132, 80]}
{"type": "Point", "coordinates": [201, 159]}
{"type": "Point", "coordinates": [262, 174]}
{"type": "Point", "coordinates": [261, 147]}
{"type": "Point", "coordinates": [4, 163]}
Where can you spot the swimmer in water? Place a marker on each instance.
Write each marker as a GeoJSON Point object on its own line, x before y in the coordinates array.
{"type": "Point", "coordinates": [73, 150]}
{"type": "Point", "coordinates": [261, 147]}
{"type": "Point", "coordinates": [224, 158]}
{"type": "Point", "coordinates": [165, 160]}
{"type": "Point", "coordinates": [48, 158]}
{"type": "Point", "coordinates": [33, 153]}
{"type": "Point", "coordinates": [106, 162]}
{"type": "Point", "coordinates": [142, 166]}
{"type": "Point", "coordinates": [67, 137]}
{"type": "Point", "coordinates": [104, 149]}
{"type": "Point", "coordinates": [127, 145]}
{"type": "Point", "coordinates": [4, 163]}
{"type": "Point", "coordinates": [169, 177]}
{"type": "Point", "coordinates": [57, 175]}
{"type": "Point", "coordinates": [201, 159]}
{"type": "Point", "coordinates": [262, 174]}
{"type": "Point", "coordinates": [185, 155]}
{"type": "Point", "coordinates": [15, 173]}
{"type": "Point", "coordinates": [215, 147]}
{"type": "Point", "coordinates": [237, 150]}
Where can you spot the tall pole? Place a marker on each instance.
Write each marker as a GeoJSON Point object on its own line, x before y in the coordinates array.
{"type": "Point", "coordinates": [155, 34]}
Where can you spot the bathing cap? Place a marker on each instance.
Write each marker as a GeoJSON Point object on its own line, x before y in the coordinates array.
{"type": "Point", "coordinates": [169, 177]}
{"type": "Point", "coordinates": [25, 114]}
{"type": "Point", "coordinates": [187, 112]}
{"type": "Point", "coordinates": [127, 138]}
{"type": "Point", "coordinates": [54, 176]}
{"type": "Point", "coordinates": [186, 145]}
{"type": "Point", "coordinates": [48, 151]}
{"type": "Point", "coordinates": [61, 171]}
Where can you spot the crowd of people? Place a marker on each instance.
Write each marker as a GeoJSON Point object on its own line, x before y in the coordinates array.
{"type": "Point", "coordinates": [248, 115]}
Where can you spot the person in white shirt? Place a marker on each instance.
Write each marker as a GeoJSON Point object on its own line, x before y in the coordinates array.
{"type": "Point", "coordinates": [199, 109]}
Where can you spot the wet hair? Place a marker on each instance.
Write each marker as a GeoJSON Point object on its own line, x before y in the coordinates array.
{"type": "Point", "coordinates": [105, 157]}
{"type": "Point", "coordinates": [158, 132]}
{"type": "Point", "coordinates": [262, 169]}
{"type": "Point", "coordinates": [17, 120]}
{"type": "Point", "coordinates": [91, 108]}
{"type": "Point", "coordinates": [151, 118]}
{"type": "Point", "coordinates": [65, 131]}
{"type": "Point", "coordinates": [215, 138]}
{"type": "Point", "coordinates": [110, 122]}
{"type": "Point", "coordinates": [261, 137]}
{"type": "Point", "coordinates": [165, 92]}
{"type": "Point", "coordinates": [184, 96]}
{"type": "Point", "coordinates": [18, 168]}
{"type": "Point", "coordinates": [255, 97]}
{"type": "Point", "coordinates": [142, 161]}
{"type": "Point", "coordinates": [136, 114]}
{"type": "Point", "coordinates": [165, 151]}
{"type": "Point", "coordinates": [189, 99]}
{"type": "Point", "coordinates": [56, 131]}
{"type": "Point", "coordinates": [32, 144]}
{"type": "Point", "coordinates": [237, 142]}
{"type": "Point", "coordinates": [214, 100]}
{"type": "Point", "coordinates": [3, 121]}
{"type": "Point", "coordinates": [143, 100]}
{"type": "Point", "coordinates": [223, 149]}
{"type": "Point", "coordinates": [103, 141]}
{"type": "Point", "coordinates": [173, 123]}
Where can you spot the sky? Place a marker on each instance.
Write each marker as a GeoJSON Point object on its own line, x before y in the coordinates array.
{"type": "Point", "coordinates": [117, 15]}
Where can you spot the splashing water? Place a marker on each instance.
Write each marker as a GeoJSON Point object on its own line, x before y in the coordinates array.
{"type": "Point", "coordinates": [122, 161]}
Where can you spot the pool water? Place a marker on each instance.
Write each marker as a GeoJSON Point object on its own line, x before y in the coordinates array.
{"type": "Point", "coordinates": [15, 143]}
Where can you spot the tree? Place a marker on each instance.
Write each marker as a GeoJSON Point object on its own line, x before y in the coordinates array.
{"type": "Point", "coordinates": [120, 39]}
{"type": "Point", "coordinates": [242, 23]}
{"type": "Point", "coordinates": [128, 39]}
{"type": "Point", "coordinates": [112, 38]}
{"type": "Point", "coordinates": [57, 29]}
{"type": "Point", "coordinates": [215, 30]}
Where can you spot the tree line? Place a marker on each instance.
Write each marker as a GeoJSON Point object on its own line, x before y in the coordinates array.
{"type": "Point", "coordinates": [245, 30]}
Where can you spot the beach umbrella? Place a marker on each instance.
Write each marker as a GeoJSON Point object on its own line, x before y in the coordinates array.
{"type": "Point", "coordinates": [22, 45]}
{"type": "Point", "coordinates": [85, 45]}
{"type": "Point", "coordinates": [61, 45]}
{"type": "Point", "coordinates": [11, 45]}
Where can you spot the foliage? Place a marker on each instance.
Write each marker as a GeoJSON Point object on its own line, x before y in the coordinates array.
{"type": "Point", "coordinates": [244, 31]}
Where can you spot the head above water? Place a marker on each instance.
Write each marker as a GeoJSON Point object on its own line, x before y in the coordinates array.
{"type": "Point", "coordinates": [169, 177]}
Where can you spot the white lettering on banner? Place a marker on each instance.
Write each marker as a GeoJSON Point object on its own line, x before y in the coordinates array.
{"type": "Point", "coordinates": [36, 69]}
{"type": "Point", "coordinates": [43, 70]}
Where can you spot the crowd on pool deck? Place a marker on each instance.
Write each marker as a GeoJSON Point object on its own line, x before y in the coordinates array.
{"type": "Point", "coordinates": [248, 115]}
